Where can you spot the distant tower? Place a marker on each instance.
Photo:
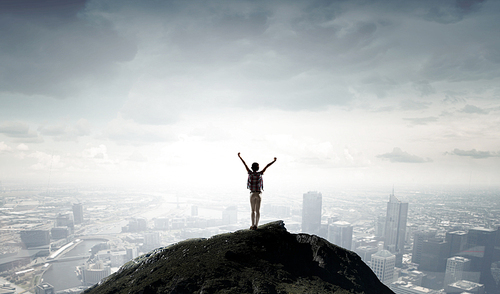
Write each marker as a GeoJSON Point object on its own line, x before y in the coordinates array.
{"type": "Point", "coordinates": [457, 241]}
{"type": "Point", "coordinates": [340, 234]}
{"type": "Point", "coordinates": [434, 255]}
{"type": "Point", "coordinates": [482, 239]}
{"type": "Point", "coordinates": [194, 210]}
{"type": "Point", "coordinates": [35, 238]}
{"type": "Point", "coordinates": [161, 223]}
{"type": "Point", "coordinates": [64, 220]}
{"type": "Point", "coordinates": [456, 268]}
{"type": "Point", "coordinates": [382, 264]}
{"type": "Point", "coordinates": [395, 227]}
{"type": "Point", "coordinates": [78, 213]}
{"type": "Point", "coordinates": [419, 237]}
{"type": "Point", "coordinates": [380, 226]}
{"type": "Point", "coordinates": [230, 215]}
{"type": "Point", "coordinates": [152, 239]}
{"type": "Point", "coordinates": [311, 212]}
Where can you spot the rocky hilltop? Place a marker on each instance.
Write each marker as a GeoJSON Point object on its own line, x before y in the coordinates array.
{"type": "Point", "coordinates": [267, 260]}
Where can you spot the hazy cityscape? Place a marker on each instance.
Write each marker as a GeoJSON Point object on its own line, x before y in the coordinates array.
{"type": "Point", "coordinates": [121, 122]}
{"type": "Point", "coordinates": [67, 239]}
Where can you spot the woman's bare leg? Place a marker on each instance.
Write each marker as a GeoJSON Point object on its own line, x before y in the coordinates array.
{"type": "Point", "coordinates": [255, 205]}
{"type": "Point", "coordinates": [257, 211]}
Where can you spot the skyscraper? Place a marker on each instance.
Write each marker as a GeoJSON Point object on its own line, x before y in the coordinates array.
{"type": "Point", "coordinates": [382, 264]}
{"type": "Point", "coordinates": [481, 251]}
{"type": "Point", "coordinates": [434, 255]}
{"type": "Point", "coordinates": [230, 215]}
{"type": "Point", "coordinates": [395, 227]}
{"type": "Point", "coordinates": [457, 241]}
{"type": "Point", "coordinates": [340, 234]}
{"type": "Point", "coordinates": [380, 226]}
{"type": "Point", "coordinates": [194, 210]}
{"type": "Point", "coordinates": [35, 238]}
{"type": "Point", "coordinates": [78, 213]}
{"type": "Point", "coordinates": [311, 212]}
{"type": "Point", "coordinates": [456, 266]}
{"type": "Point", "coordinates": [418, 244]}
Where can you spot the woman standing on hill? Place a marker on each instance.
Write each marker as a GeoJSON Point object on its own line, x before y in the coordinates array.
{"type": "Point", "coordinates": [256, 185]}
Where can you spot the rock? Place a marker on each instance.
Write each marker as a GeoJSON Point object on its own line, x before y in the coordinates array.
{"type": "Point", "coordinates": [267, 260]}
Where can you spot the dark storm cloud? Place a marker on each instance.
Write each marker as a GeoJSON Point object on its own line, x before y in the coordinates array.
{"type": "Point", "coordinates": [59, 8]}
{"type": "Point", "coordinates": [293, 55]}
{"type": "Point", "coordinates": [451, 11]}
{"type": "Point", "coordinates": [344, 43]}
{"type": "Point", "coordinates": [48, 49]}
{"type": "Point", "coordinates": [398, 155]}
{"type": "Point", "coordinates": [474, 153]}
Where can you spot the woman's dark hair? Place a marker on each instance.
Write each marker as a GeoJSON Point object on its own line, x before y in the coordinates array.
{"type": "Point", "coordinates": [255, 166]}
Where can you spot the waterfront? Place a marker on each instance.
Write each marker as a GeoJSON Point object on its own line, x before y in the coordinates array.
{"type": "Point", "coordinates": [62, 275]}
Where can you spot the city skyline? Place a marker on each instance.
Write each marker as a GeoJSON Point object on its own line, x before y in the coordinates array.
{"type": "Point", "coordinates": [166, 93]}
{"type": "Point", "coordinates": [159, 219]}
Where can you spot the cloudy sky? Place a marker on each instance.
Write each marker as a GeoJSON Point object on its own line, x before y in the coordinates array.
{"type": "Point", "coordinates": [166, 93]}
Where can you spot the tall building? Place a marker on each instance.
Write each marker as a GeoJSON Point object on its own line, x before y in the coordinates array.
{"type": "Point", "coordinates": [194, 210]}
{"type": "Point", "coordinates": [418, 244]}
{"type": "Point", "coordinates": [152, 239]}
{"type": "Point", "coordinates": [78, 213]}
{"type": "Point", "coordinates": [311, 212]}
{"type": "Point", "coordinates": [456, 269]}
{"type": "Point", "coordinates": [35, 238]}
{"type": "Point", "coordinates": [161, 223]}
{"type": "Point", "coordinates": [380, 226]}
{"type": "Point", "coordinates": [395, 227]}
{"type": "Point", "coordinates": [59, 233]}
{"type": "Point", "coordinates": [457, 241]}
{"type": "Point", "coordinates": [434, 255]}
{"type": "Point", "coordinates": [142, 224]}
{"type": "Point", "coordinates": [65, 220]}
{"type": "Point", "coordinates": [131, 252]}
{"type": "Point", "coordinates": [481, 251]}
{"type": "Point", "coordinates": [382, 264]}
{"type": "Point", "coordinates": [230, 215]}
{"type": "Point", "coordinates": [340, 234]}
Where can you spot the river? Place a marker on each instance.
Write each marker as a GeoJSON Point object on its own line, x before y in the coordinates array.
{"type": "Point", "coordinates": [62, 275]}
